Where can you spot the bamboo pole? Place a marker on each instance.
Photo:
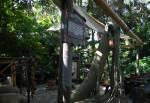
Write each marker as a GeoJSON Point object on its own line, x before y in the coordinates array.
{"type": "Point", "coordinates": [117, 19]}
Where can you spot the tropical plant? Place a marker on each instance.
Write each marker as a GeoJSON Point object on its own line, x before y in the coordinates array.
{"type": "Point", "coordinates": [25, 30]}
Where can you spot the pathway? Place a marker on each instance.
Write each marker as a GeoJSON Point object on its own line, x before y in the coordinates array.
{"type": "Point", "coordinates": [42, 95]}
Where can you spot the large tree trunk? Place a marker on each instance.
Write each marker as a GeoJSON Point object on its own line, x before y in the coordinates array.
{"type": "Point", "coordinates": [89, 83]}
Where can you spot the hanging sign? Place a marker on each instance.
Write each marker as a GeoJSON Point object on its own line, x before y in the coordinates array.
{"type": "Point", "coordinates": [76, 28]}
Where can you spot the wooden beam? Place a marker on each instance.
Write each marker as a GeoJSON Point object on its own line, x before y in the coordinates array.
{"type": "Point", "coordinates": [117, 19]}
{"type": "Point", "coordinates": [1, 72]}
{"type": "Point", "coordinates": [5, 62]}
{"type": "Point", "coordinates": [127, 46]}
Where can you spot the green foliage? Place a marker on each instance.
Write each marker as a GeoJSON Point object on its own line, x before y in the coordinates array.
{"type": "Point", "coordinates": [144, 64]}
{"type": "Point", "coordinates": [136, 16]}
{"type": "Point", "coordinates": [24, 30]}
{"type": "Point", "coordinates": [84, 57]}
{"type": "Point", "coordinates": [141, 27]}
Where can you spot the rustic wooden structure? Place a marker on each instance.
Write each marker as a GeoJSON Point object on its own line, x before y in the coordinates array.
{"type": "Point", "coordinates": [99, 60]}
{"type": "Point", "coordinates": [9, 65]}
{"type": "Point", "coordinates": [18, 68]}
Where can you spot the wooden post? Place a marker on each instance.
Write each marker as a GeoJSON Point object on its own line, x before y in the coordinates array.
{"type": "Point", "coordinates": [60, 86]}
{"type": "Point", "coordinates": [93, 44]}
{"type": "Point", "coordinates": [115, 64]}
{"type": "Point", "coordinates": [67, 72]}
{"type": "Point", "coordinates": [20, 74]}
{"type": "Point", "coordinates": [13, 74]}
{"type": "Point", "coordinates": [137, 62]}
{"type": "Point", "coordinates": [33, 81]}
{"type": "Point", "coordinates": [65, 68]}
{"type": "Point", "coordinates": [78, 70]}
{"type": "Point", "coordinates": [28, 79]}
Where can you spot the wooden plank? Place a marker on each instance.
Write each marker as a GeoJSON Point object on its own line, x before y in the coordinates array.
{"type": "Point", "coordinates": [1, 72]}
{"type": "Point", "coordinates": [5, 62]}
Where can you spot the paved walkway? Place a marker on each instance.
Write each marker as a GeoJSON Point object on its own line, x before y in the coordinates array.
{"type": "Point", "coordinates": [42, 95]}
